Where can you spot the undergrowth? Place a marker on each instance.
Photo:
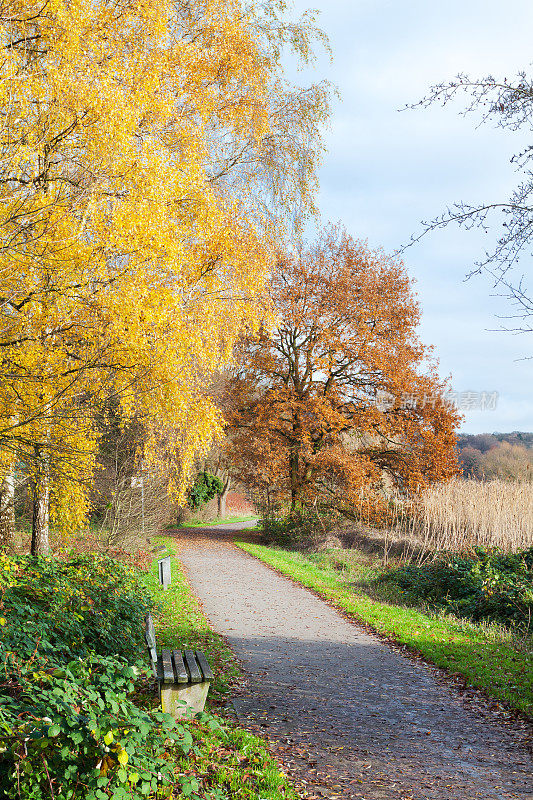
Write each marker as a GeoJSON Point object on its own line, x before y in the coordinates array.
{"type": "Point", "coordinates": [79, 718]}
{"type": "Point", "coordinates": [70, 653]}
{"type": "Point", "coordinates": [487, 585]}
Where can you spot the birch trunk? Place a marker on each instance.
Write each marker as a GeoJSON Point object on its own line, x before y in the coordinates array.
{"type": "Point", "coordinates": [40, 534]}
{"type": "Point", "coordinates": [7, 513]}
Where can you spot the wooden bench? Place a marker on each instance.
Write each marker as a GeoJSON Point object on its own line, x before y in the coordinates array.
{"type": "Point", "coordinates": [183, 678]}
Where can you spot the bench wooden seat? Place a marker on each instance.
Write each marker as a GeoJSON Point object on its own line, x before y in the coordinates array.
{"type": "Point", "coordinates": [183, 678]}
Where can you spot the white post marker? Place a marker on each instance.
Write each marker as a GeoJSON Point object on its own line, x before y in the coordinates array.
{"type": "Point", "coordinates": [165, 578]}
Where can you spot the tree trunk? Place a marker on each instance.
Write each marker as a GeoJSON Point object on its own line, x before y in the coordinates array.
{"type": "Point", "coordinates": [294, 473]}
{"type": "Point", "coordinates": [221, 499]}
{"type": "Point", "coordinates": [40, 543]}
{"type": "Point", "coordinates": [7, 513]}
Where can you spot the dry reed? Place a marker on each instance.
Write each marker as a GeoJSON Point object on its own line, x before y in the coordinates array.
{"type": "Point", "coordinates": [462, 514]}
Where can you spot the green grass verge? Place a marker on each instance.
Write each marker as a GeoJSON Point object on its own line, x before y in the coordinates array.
{"type": "Point", "coordinates": [232, 764]}
{"type": "Point", "coordinates": [225, 762]}
{"type": "Point", "coordinates": [484, 655]}
{"type": "Point", "coordinates": [221, 521]}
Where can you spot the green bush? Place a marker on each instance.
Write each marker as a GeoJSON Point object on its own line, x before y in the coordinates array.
{"type": "Point", "coordinates": [205, 487]}
{"type": "Point", "coordinates": [74, 732]}
{"type": "Point", "coordinates": [87, 604]}
{"type": "Point", "coordinates": [69, 729]}
{"type": "Point", "coordinates": [302, 529]}
{"type": "Point", "coordinates": [488, 585]}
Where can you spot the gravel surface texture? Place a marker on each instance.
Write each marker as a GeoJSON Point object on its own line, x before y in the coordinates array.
{"type": "Point", "coordinates": [349, 716]}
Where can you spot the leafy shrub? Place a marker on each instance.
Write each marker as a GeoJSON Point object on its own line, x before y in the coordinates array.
{"type": "Point", "coordinates": [90, 603]}
{"type": "Point", "coordinates": [303, 529]}
{"type": "Point", "coordinates": [488, 585]}
{"type": "Point", "coordinates": [73, 732]}
{"type": "Point", "coordinates": [205, 487]}
{"type": "Point", "coordinates": [68, 726]}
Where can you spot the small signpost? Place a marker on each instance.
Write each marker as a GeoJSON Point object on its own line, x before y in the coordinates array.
{"type": "Point", "coordinates": [137, 482]}
{"type": "Point", "coordinates": [165, 578]}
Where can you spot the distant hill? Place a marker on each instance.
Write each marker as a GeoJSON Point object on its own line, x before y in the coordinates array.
{"type": "Point", "coordinates": [484, 441]}
{"type": "Point", "coordinates": [497, 455]}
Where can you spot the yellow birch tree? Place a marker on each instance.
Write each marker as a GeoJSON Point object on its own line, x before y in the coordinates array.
{"type": "Point", "coordinates": [143, 147]}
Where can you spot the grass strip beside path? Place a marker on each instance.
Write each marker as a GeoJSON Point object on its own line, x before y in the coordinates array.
{"type": "Point", "coordinates": [226, 762]}
{"type": "Point", "coordinates": [485, 659]}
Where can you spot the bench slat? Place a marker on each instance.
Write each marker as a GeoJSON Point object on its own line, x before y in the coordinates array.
{"type": "Point", "coordinates": [153, 656]}
{"type": "Point", "coordinates": [179, 667]}
{"type": "Point", "coordinates": [203, 663]}
{"type": "Point", "coordinates": [176, 667]}
{"type": "Point", "coordinates": [149, 633]}
{"type": "Point", "coordinates": [166, 662]}
{"type": "Point", "coordinates": [192, 666]}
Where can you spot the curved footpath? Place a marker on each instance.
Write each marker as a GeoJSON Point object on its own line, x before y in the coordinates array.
{"type": "Point", "coordinates": [349, 715]}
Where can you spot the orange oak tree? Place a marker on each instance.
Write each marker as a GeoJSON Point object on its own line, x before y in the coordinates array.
{"type": "Point", "coordinates": [340, 402]}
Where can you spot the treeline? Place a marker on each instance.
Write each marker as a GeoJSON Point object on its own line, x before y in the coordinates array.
{"type": "Point", "coordinates": [508, 456]}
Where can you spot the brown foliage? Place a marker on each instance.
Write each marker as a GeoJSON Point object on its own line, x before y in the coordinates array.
{"type": "Point", "coordinates": [319, 408]}
{"type": "Point", "coordinates": [509, 462]}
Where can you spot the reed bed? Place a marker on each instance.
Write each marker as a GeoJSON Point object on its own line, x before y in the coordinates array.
{"type": "Point", "coordinates": [465, 513]}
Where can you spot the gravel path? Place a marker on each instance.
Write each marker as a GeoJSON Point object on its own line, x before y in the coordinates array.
{"type": "Point", "coordinates": [350, 716]}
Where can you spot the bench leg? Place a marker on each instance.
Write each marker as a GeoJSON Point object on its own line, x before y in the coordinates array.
{"type": "Point", "coordinates": [174, 695]}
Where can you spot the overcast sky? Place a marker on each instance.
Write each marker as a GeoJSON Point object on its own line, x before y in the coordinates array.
{"type": "Point", "coordinates": [386, 170]}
